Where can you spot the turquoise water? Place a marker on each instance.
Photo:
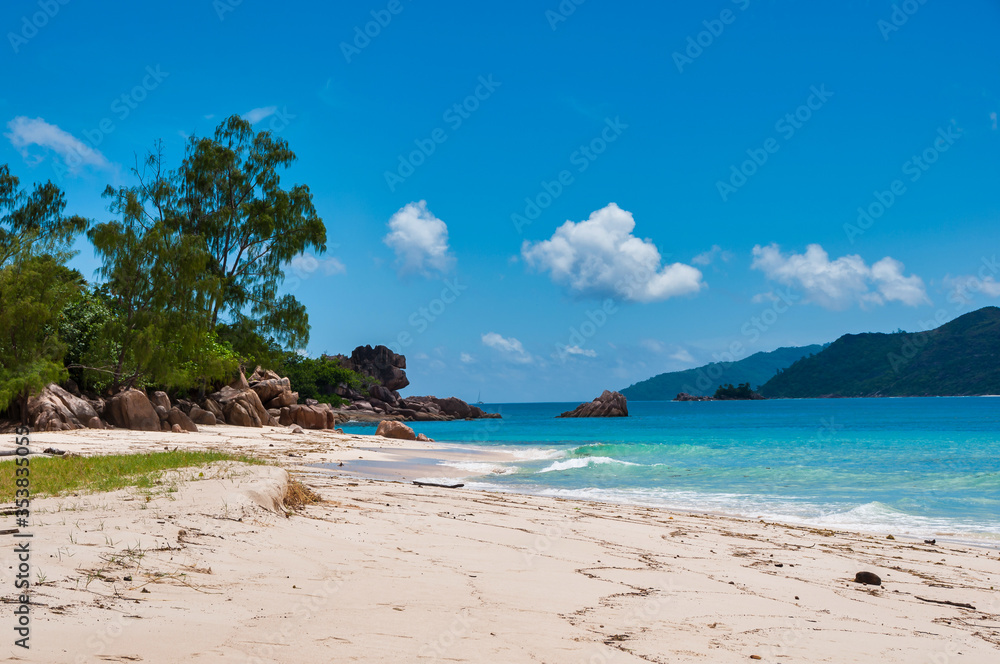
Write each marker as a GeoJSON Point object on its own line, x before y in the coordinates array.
{"type": "Point", "coordinates": [924, 467]}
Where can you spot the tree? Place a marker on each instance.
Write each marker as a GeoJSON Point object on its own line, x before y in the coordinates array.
{"type": "Point", "coordinates": [35, 237]}
{"type": "Point", "coordinates": [33, 224]}
{"type": "Point", "coordinates": [233, 200]}
{"type": "Point", "coordinates": [33, 290]}
{"type": "Point", "coordinates": [159, 284]}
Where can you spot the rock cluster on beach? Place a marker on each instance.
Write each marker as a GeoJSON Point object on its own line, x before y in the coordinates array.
{"type": "Point", "coordinates": [263, 399]}
{"type": "Point", "coordinates": [609, 404]}
{"type": "Point", "coordinates": [383, 400]}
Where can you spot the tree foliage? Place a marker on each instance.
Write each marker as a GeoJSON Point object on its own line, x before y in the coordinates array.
{"type": "Point", "coordinates": [741, 391]}
{"type": "Point", "coordinates": [251, 226]}
{"type": "Point", "coordinates": [35, 238]}
{"type": "Point", "coordinates": [158, 282]}
{"type": "Point", "coordinates": [33, 289]}
{"type": "Point", "coordinates": [318, 378]}
{"type": "Point", "coordinates": [34, 224]}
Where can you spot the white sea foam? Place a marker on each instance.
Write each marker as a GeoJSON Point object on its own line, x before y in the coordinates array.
{"type": "Point", "coordinates": [872, 517]}
{"type": "Point", "coordinates": [480, 467]}
{"type": "Point", "coordinates": [534, 453]}
{"type": "Point", "coordinates": [583, 462]}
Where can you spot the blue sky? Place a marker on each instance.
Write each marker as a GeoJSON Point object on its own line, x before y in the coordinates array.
{"type": "Point", "coordinates": [630, 121]}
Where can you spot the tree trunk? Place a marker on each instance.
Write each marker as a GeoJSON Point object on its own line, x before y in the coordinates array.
{"type": "Point", "coordinates": [22, 405]}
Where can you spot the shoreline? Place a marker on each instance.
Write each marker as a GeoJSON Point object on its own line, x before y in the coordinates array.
{"type": "Point", "coordinates": [471, 464]}
{"type": "Point", "coordinates": [389, 571]}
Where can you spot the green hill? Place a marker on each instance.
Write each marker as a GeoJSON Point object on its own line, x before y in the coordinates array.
{"type": "Point", "coordinates": [702, 381]}
{"type": "Point", "coordinates": [957, 359]}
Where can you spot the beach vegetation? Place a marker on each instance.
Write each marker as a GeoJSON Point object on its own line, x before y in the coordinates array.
{"type": "Point", "coordinates": [56, 476]}
{"type": "Point", "coordinates": [319, 378]}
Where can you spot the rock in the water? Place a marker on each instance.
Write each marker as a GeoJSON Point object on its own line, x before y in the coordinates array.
{"type": "Point", "coordinates": [202, 416]}
{"type": "Point", "coordinates": [393, 429]}
{"type": "Point", "coordinates": [56, 409]}
{"type": "Point", "coordinates": [609, 404]}
{"type": "Point", "coordinates": [131, 409]}
{"type": "Point", "coordinates": [380, 363]}
{"type": "Point", "coordinates": [868, 578]}
{"type": "Point", "coordinates": [684, 396]}
{"type": "Point", "coordinates": [383, 393]}
{"type": "Point", "coordinates": [177, 417]}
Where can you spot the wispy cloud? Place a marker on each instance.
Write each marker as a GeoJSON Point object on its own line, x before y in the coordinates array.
{"type": "Point", "coordinates": [709, 256]}
{"type": "Point", "coordinates": [26, 132]}
{"type": "Point", "coordinates": [563, 352]}
{"type": "Point", "coordinates": [256, 115]}
{"type": "Point", "coordinates": [510, 348]}
{"type": "Point", "coordinates": [305, 265]}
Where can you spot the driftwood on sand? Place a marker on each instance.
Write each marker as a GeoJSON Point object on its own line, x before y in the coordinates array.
{"type": "Point", "coordinates": [443, 486]}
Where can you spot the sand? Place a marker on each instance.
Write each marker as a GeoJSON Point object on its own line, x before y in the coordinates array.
{"type": "Point", "coordinates": [210, 568]}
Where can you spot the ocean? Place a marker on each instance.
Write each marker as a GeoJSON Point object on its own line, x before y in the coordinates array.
{"type": "Point", "coordinates": [923, 467]}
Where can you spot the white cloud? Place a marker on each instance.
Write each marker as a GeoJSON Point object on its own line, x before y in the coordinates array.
{"type": "Point", "coordinates": [420, 241]}
{"type": "Point", "coordinates": [652, 345]}
{"type": "Point", "coordinates": [600, 257]}
{"type": "Point", "coordinates": [707, 257]}
{"type": "Point", "coordinates": [305, 265]}
{"type": "Point", "coordinates": [256, 115]}
{"type": "Point", "coordinates": [25, 132]}
{"type": "Point", "coordinates": [683, 355]}
{"type": "Point", "coordinates": [888, 276]}
{"type": "Point", "coordinates": [576, 350]}
{"type": "Point", "coordinates": [510, 347]}
{"type": "Point", "coordinates": [839, 283]}
{"type": "Point", "coordinates": [964, 288]}
{"type": "Point", "coordinates": [466, 358]}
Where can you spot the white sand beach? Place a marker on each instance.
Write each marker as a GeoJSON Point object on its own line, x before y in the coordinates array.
{"type": "Point", "coordinates": [211, 569]}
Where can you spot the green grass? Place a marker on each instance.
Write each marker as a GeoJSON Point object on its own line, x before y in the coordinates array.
{"type": "Point", "coordinates": [58, 475]}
